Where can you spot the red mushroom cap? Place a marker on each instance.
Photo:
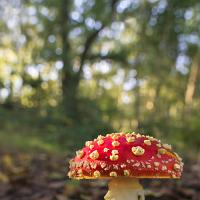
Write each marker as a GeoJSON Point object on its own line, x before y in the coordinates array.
{"type": "Point", "coordinates": [121, 154]}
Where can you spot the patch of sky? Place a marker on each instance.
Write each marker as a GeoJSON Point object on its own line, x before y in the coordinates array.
{"type": "Point", "coordinates": [188, 14]}
{"type": "Point", "coordinates": [32, 71]}
{"type": "Point", "coordinates": [51, 38]}
{"type": "Point", "coordinates": [87, 74]}
{"type": "Point", "coordinates": [125, 4]}
{"type": "Point", "coordinates": [114, 31]}
{"type": "Point", "coordinates": [59, 65]}
{"type": "Point", "coordinates": [75, 32]}
{"type": "Point", "coordinates": [4, 92]}
{"type": "Point", "coordinates": [182, 63]}
{"type": "Point", "coordinates": [103, 67]}
{"type": "Point", "coordinates": [76, 16]}
{"type": "Point", "coordinates": [126, 99]}
{"type": "Point", "coordinates": [92, 24]}
{"type": "Point", "coordinates": [119, 77]}
{"type": "Point", "coordinates": [31, 11]}
{"type": "Point", "coordinates": [185, 39]}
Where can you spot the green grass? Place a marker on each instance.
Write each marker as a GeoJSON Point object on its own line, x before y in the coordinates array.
{"type": "Point", "coordinates": [12, 141]}
{"type": "Point", "coordinates": [24, 131]}
{"type": "Point", "coordinates": [27, 131]}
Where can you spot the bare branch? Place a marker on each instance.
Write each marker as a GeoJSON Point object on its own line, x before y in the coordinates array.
{"type": "Point", "coordinates": [117, 57]}
{"type": "Point", "coordinates": [92, 37]}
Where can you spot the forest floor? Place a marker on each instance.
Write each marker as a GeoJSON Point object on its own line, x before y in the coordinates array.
{"type": "Point", "coordinates": [42, 176]}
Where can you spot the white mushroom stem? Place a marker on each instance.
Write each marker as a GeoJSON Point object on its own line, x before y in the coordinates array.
{"type": "Point", "coordinates": [124, 189]}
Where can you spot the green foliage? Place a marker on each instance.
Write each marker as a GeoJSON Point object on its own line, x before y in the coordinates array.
{"type": "Point", "coordinates": [74, 69]}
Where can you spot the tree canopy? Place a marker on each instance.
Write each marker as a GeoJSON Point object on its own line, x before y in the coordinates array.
{"type": "Point", "coordinates": [87, 65]}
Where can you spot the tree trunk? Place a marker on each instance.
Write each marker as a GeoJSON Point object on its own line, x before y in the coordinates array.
{"type": "Point", "coordinates": [189, 92]}
{"type": "Point", "coordinates": [191, 85]}
{"type": "Point", "coordinates": [69, 88]}
{"type": "Point", "coordinates": [137, 99]}
{"type": "Point", "coordinates": [69, 77]}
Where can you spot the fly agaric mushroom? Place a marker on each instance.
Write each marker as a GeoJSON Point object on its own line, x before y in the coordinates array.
{"type": "Point", "coordinates": [125, 158]}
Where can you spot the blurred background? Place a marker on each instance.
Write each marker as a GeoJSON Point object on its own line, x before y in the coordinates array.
{"type": "Point", "coordinates": [70, 70]}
